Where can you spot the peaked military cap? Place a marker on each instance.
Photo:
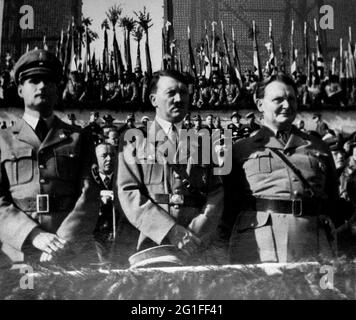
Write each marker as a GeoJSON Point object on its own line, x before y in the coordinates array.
{"type": "Point", "coordinates": [316, 115]}
{"type": "Point", "coordinates": [108, 118]}
{"type": "Point", "coordinates": [38, 62]}
{"type": "Point", "coordinates": [130, 116]}
{"type": "Point", "coordinates": [250, 115]}
{"type": "Point", "coordinates": [236, 114]}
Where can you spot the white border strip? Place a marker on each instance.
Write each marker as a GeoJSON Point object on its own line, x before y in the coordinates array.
{"type": "Point", "coordinates": [2, 6]}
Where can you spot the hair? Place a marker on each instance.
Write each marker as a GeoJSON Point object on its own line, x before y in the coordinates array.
{"type": "Point", "coordinates": [166, 73]}
{"type": "Point", "coordinates": [279, 77]}
{"type": "Point", "coordinates": [104, 143]}
{"type": "Point", "coordinates": [112, 130]}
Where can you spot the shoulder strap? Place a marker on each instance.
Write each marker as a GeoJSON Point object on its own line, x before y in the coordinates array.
{"type": "Point", "coordinates": [296, 171]}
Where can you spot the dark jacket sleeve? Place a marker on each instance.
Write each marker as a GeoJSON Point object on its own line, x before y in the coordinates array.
{"type": "Point", "coordinates": [81, 221]}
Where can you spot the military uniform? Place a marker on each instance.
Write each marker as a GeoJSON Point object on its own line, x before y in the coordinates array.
{"type": "Point", "coordinates": [201, 97]}
{"type": "Point", "coordinates": [271, 215]}
{"type": "Point", "coordinates": [156, 196]}
{"type": "Point", "coordinates": [46, 185]}
{"type": "Point", "coordinates": [217, 95]}
{"type": "Point", "coordinates": [45, 173]}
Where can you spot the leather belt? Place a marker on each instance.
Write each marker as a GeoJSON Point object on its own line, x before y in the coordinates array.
{"type": "Point", "coordinates": [297, 207]}
{"type": "Point", "coordinates": [179, 199]}
{"type": "Point", "coordinates": [44, 204]}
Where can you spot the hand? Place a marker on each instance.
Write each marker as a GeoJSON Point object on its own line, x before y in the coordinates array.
{"type": "Point", "coordinates": [45, 257]}
{"type": "Point", "coordinates": [47, 242]}
{"type": "Point", "coordinates": [183, 239]}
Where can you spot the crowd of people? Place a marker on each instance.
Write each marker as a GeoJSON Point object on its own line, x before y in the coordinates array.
{"type": "Point", "coordinates": [73, 194]}
{"type": "Point", "coordinates": [219, 91]}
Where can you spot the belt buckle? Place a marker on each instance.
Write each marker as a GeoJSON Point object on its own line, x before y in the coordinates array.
{"type": "Point", "coordinates": [42, 203]}
{"type": "Point", "coordinates": [297, 204]}
{"type": "Point", "coordinates": [176, 199]}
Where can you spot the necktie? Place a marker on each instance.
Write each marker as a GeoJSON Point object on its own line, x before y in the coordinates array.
{"type": "Point", "coordinates": [106, 181]}
{"type": "Point", "coordinates": [173, 134]}
{"type": "Point", "coordinates": [41, 129]}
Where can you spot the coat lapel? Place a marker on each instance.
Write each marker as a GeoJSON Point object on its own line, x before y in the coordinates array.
{"type": "Point", "coordinates": [58, 133]}
{"type": "Point", "coordinates": [296, 140]}
{"type": "Point", "coordinates": [26, 134]}
{"type": "Point", "coordinates": [265, 137]}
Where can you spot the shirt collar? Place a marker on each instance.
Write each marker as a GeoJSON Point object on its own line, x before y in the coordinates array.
{"type": "Point", "coordinates": [103, 175]}
{"type": "Point", "coordinates": [166, 125]}
{"type": "Point", "coordinates": [275, 131]}
{"type": "Point", "coordinates": [32, 120]}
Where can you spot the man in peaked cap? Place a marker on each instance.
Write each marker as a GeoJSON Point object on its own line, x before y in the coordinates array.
{"type": "Point", "coordinates": [49, 202]}
{"type": "Point", "coordinates": [321, 126]}
{"type": "Point", "coordinates": [235, 126]}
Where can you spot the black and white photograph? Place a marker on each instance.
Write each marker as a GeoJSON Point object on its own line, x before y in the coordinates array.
{"type": "Point", "coordinates": [194, 151]}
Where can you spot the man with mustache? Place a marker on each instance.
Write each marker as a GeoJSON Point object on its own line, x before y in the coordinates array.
{"type": "Point", "coordinates": [168, 202]}
{"type": "Point", "coordinates": [282, 184]}
{"type": "Point", "coordinates": [49, 201]}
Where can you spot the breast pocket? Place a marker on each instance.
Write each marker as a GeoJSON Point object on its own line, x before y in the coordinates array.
{"type": "Point", "coordinates": [153, 173]}
{"type": "Point", "coordinates": [19, 165]}
{"type": "Point", "coordinates": [258, 163]}
{"type": "Point", "coordinates": [66, 162]}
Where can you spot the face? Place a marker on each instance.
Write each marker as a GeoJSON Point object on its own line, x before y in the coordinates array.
{"type": "Point", "coordinates": [339, 159]}
{"type": "Point", "coordinates": [209, 120]}
{"type": "Point", "coordinates": [39, 94]}
{"type": "Point", "coordinates": [171, 99]}
{"type": "Point", "coordinates": [105, 155]}
{"type": "Point", "coordinates": [227, 79]}
{"type": "Point", "coordinates": [279, 105]}
{"type": "Point", "coordinates": [235, 120]}
{"type": "Point", "coordinates": [354, 152]}
{"type": "Point", "coordinates": [215, 79]}
{"type": "Point", "coordinates": [131, 123]}
{"type": "Point", "coordinates": [113, 138]}
{"type": "Point", "coordinates": [197, 123]}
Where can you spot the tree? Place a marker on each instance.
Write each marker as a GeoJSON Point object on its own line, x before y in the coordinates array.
{"type": "Point", "coordinates": [128, 24]}
{"type": "Point", "coordinates": [137, 33]}
{"type": "Point", "coordinates": [144, 21]}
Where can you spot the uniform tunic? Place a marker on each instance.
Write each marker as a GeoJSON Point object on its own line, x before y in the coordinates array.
{"type": "Point", "coordinates": [139, 184]}
{"type": "Point", "coordinates": [268, 236]}
{"type": "Point", "coordinates": [59, 167]}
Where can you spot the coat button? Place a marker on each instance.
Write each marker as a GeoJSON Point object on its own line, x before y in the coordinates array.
{"type": "Point", "coordinates": [41, 166]}
{"type": "Point", "coordinates": [42, 181]}
{"type": "Point", "coordinates": [176, 176]}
